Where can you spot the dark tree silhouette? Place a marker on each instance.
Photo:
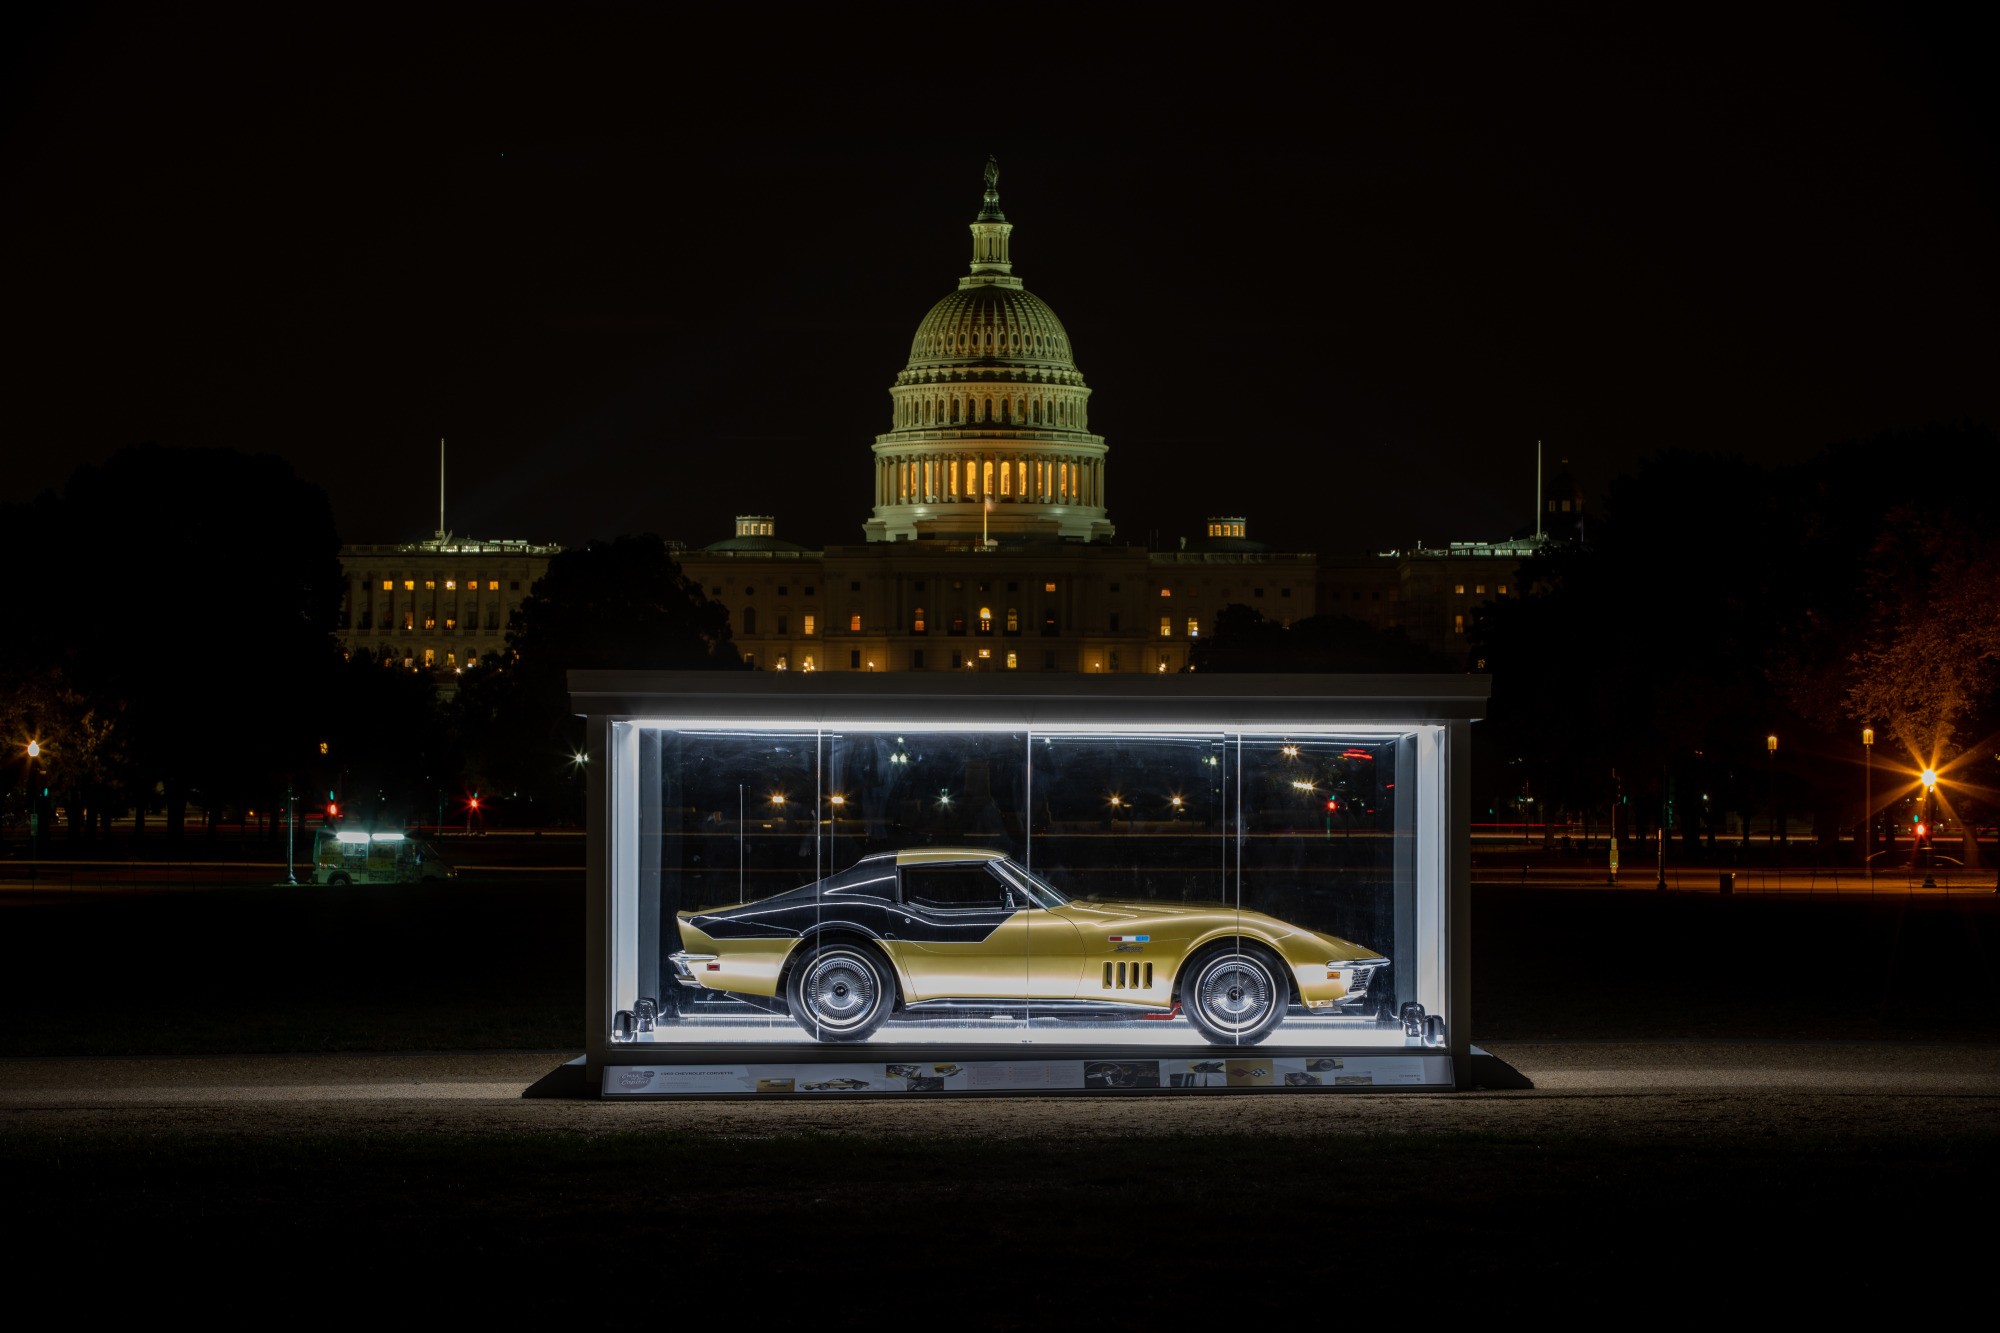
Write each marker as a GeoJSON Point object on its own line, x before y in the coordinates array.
{"type": "Point", "coordinates": [1245, 640]}
{"type": "Point", "coordinates": [1720, 603]}
{"type": "Point", "coordinates": [388, 747]}
{"type": "Point", "coordinates": [1633, 669]}
{"type": "Point", "coordinates": [188, 595]}
{"type": "Point", "coordinates": [619, 604]}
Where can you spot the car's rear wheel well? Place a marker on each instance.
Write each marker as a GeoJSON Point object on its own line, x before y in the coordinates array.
{"type": "Point", "coordinates": [839, 986]}
{"type": "Point", "coordinates": [814, 939]}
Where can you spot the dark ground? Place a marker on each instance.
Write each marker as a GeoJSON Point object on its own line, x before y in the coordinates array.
{"type": "Point", "coordinates": [1744, 1103]}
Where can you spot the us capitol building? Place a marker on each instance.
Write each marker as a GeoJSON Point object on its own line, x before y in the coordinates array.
{"type": "Point", "coordinates": [990, 546]}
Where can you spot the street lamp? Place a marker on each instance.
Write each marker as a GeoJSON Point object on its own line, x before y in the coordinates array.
{"type": "Point", "coordinates": [1771, 745]}
{"type": "Point", "coordinates": [1929, 778]}
{"type": "Point", "coordinates": [1617, 802]}
{"type": "Point", "coordinates": [34, 751]}
{"type": "Point", "coordinates": [1661, 882]}
{"type": "Point", "coordinates": [1868, 801]}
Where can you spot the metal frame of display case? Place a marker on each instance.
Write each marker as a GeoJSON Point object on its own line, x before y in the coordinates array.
{"type": "Point", "coordinates": [1445, 706]}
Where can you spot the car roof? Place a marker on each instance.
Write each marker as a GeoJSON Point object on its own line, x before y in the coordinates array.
{"type": "Point", "coordinates": [917, 856]}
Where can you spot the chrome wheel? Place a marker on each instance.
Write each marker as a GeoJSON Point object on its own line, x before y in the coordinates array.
{"type": "Point", "coordinates": [840, 992]}
{"type": "Point", "coordinates": [1235, 996]}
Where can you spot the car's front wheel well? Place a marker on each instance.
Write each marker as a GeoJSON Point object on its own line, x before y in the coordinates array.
{"type": "Point", "coordinates": [1229, 943]}
{"type": "Point", "coordinates": [1235, 991]}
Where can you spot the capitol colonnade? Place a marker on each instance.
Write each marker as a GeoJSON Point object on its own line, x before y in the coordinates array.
{"type": "Point", "coordinates": [923, 477]}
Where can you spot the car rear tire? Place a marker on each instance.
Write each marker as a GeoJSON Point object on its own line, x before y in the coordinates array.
{"type": "Point", "coordinates": [1235, 995]}
{"type": "Point", "coordinates": [840, 991]}
{"type": "Point", "coordinates": [338, 879]}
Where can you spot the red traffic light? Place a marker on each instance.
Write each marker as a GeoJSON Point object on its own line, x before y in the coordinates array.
{"type": "Point", "coordinates": [1923, 830]}
{"type": "Point", "coordinates": [1332, 805]}
{"type": "Point", "coordinates": [333, 809]}
{"type": "Point", "coordinates": [475, 803]}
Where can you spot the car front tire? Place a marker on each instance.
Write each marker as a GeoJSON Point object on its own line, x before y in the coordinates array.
{"type": "Point", "coordinates": [1235, 995]}
{"type": "Point", "coordinates": [840, 991]}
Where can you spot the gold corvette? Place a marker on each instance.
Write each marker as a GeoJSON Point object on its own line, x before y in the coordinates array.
{"type": "Point", "coordinates": [938, 930]}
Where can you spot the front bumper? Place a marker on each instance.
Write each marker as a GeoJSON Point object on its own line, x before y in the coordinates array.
{"type": "Point", "coordinates": [1344, 984]}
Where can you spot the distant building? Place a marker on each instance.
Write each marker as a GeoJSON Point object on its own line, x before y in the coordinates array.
{"type": "Point", "coordinates": [437, 605]}
{"type": "Point", "coordinates": [1435, 593]}
{"type": "Point", "coordinates": [1440, 589]}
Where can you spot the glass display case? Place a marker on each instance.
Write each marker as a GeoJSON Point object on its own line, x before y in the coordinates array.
{"type": "Point", "coordinates": [824, 883]}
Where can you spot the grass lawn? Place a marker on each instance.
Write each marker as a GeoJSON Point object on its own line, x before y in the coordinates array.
{"type": "Point", "coordinates": [831, 1225]}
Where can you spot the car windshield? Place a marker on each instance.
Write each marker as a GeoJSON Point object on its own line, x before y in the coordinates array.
{"type": "Point", "coordinates": [1039, 891]}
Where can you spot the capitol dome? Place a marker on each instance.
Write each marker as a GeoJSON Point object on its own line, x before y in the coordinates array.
{"type": "Point", "coordinates": [989, 430]}
{"type": "Point", "coordinates": [1009, 324]}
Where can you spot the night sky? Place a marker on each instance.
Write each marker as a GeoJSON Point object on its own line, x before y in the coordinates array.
{"type": "Point", "coordinates": [646, 268]}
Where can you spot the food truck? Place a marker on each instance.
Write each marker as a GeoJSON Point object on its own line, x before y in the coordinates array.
{"type": "Point", "coordinates": [357, 856]}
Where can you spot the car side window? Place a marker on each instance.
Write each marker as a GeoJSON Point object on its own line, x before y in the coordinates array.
{"type": "Point", "coordinates": [953, 888]}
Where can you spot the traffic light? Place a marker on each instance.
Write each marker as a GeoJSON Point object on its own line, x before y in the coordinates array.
{"type": "Point", "coordinates": [1332, 805]}
{"type": "Point", "coordinates": [332, 810]}
{"type": "Point", "coordinates": [475, 803]}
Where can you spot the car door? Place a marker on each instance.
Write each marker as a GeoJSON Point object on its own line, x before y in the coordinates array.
{"type": "Point", "coordinates": [958, 933]}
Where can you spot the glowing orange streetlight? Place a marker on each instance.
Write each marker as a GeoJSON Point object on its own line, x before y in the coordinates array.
{"type": "Point", "coordinates": [33, 749]}
{"type": "Point", "coordinates": [1771, 745]}
{"type": "Point", "coordinates": [1929, 778]}
{"type": "Point", "coordinates": [1868, 800]}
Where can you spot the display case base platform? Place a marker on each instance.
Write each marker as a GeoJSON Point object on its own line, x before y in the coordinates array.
{"type": "Point", "coordinates": [931, 1073]}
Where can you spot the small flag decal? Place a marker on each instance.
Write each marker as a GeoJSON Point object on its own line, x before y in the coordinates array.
{"type": "Point", "coordinates": [1130, 939]}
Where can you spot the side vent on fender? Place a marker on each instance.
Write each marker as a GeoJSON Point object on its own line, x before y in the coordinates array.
{"type": "Point", "coordinates": [1128, 976]}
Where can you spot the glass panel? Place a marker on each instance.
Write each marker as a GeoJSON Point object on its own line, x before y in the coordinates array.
{"type": "Point", "coordinates": [1133, 831]}
{"type": "Point", "coordinates": [1327, 846]}
{"type": "Point", "coordinates": [1149, 888]}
